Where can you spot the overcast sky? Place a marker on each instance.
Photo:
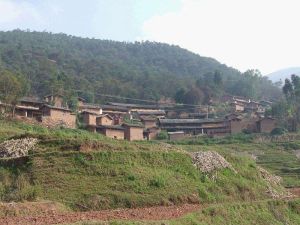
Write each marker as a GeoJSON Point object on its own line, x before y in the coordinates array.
{"type": "Point", "coordinates": [262, 34]}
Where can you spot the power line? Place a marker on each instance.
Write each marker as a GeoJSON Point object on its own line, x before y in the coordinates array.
{"type": "Point", "coordinates": [141, 100]}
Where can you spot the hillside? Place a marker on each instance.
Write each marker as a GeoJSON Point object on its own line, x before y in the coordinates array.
{"type": "Point", "coordinates": [74, 170]}
{"type": "Point", "coordinates": [148, 70]}
{"type": "Point", "coordinates": [283, 74]}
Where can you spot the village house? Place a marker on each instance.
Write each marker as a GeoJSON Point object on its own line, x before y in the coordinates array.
{"type": "Point", "coordinates": [104, 120]}
{"type": "Point", "coordinates": [176, 135]}
{"type": "Point", "coordinates": [237, 106]}
{"type": "Point", "coordinates": [56, 100]}
{"type": "Point", "coordinates": [89, 118]}
{"type": "Point", "coordinates": [195, 126]}
{"type": "Point", "coordinates": [151, 133]}
{"type": "Point", "coordinates": [133, 132]}
{"type": "Point", "coordinates": [56, 116]}
{"type": "Point", "coordinates": [152, 113]}
{"type": "Point", "coordinates": [28, 112]}
{"type": "Point", "coordinates": [149, 122]}
{"type": "Point", "coordinates": [96, 109]}
{"type": "Point", "coordinates": [31, 102]}
{"type": "Point", "coordinates": [111, 131]}
{"type": "Point", "coordinates": [115, 111]}
{"type": "Point", "coordinates": [266, 125]}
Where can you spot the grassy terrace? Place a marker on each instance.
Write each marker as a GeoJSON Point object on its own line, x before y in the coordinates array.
{"type": "Point", "coordinates": [87, 171]}
{"type": "Point", "coordinates": [278, 157]}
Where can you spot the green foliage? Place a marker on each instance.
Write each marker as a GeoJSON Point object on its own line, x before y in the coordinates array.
{"type": "Point", "coordinates": [148, 70]}
{"type": "Point", "coordinates": [278, 131]}
{"type": "Point", "coordinates": [163, 135]}
{"type": "Point", "coordinates": [12, 87]}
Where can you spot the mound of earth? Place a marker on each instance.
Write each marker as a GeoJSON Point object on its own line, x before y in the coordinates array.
{"type": "Point", "coordinates": [210, 161]}
{"type": "Point", "coordinates": [17, 148]}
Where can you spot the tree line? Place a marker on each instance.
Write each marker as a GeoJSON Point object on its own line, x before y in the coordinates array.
{"type": "Point", "coordinates": [146, 70]}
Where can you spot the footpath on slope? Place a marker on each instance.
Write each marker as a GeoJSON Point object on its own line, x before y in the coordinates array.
{"type": "Point", "coordinates": [152, 213]}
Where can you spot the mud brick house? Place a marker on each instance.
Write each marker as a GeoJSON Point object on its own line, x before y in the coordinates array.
{"type": "Point", "coordinates": [113, 131]}
{"type": "Point", "coordinates": [28, 112]}
{"type": "Point", "coordinates": [56, 116]}
{"type": "Point", "coordinates": [96, 109]}
{"type": "Point", "coordinates": [152, 113]}
{"type": "Point", "coordinates": [117, 111]}
{"type": "Point", "coordinates": [89, 118]}
{"type": "Point", "coordinates": [104, 120]}
{"type": "Point", "coordinates": [237, 106]}
{"type": "Point", "coordinates": [149, 122]}
{"type": "Point", "coordinates": [133, 132]}
{"type": "Point", "coordinates": [55, 100]}
{"type": "Point", "coordinates": [31, 102]}
{"type": "Point", "coordinates": [195, 126]}
{"type": "Point", "coordinates": [177, 135]}
{"type": "Point", "coordinates": [265, 125]}
{"type": "Point", "coordinates": [252, 106]}
{"type": "Point", "coordinates": [151, 133]}
{"type": "Point", "coordinates": [134, 107]}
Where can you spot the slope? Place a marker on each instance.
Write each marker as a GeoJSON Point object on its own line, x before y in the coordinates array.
{"type": "Point", "coordinates": [146, 70]}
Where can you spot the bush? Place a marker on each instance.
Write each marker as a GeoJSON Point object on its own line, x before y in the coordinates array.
{"type": "Point", "coordinates": [163, 135]}
{"type": "Point", "coordinates": [278, 131]}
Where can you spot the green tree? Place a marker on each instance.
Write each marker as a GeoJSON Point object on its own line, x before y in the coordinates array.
{"type": "Point", "coordinates": [12, 87]}
{"type": "Point", "coordinates": [291, 90]}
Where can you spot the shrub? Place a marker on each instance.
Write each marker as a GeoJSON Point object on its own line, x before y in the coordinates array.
{"type": "Point", "coordinates": [163, 135]}
{"type": "Point", "coordinates": [278, 131]}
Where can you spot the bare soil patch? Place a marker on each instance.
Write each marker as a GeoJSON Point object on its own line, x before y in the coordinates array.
{"type": "Point", "coordinates": [152, 213]}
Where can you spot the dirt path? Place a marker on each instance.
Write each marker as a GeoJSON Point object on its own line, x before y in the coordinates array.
{"type": "Point", "coordinates": [153, 213]}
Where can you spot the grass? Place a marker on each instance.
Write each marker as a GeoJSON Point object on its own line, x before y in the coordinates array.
{"type": "Point", "coordinates": [277, 157]}
{"type": "Point", "coordinates": [256, 213]}
{"type": "Point", "coordinates": [87, 171]}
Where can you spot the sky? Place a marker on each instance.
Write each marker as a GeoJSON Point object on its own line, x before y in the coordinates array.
{"type": "Point", "coordinates": [244, 34]}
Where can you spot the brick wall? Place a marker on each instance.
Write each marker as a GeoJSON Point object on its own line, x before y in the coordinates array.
{"type": "Point", "coordinates": [104, 121]}
{"type": "Point", "coordinates": [58, 118]}
{"type": "Point", "coordinates": [149, 124]}
{"type": "Point", "coordinates": [134, 133]}
{"type": "Point", "coordinates": [89, 119]}
{"type": "Point", "coordinates": [116, 134]}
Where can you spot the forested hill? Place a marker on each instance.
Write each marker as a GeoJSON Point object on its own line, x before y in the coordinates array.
{"type": "Point", "coordinates": [149, 70]}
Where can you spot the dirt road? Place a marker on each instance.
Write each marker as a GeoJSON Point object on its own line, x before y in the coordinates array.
{"type": "Point", "coordinates": [153, 213]}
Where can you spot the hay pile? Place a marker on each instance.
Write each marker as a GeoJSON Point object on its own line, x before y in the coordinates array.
{"type": "Point", "coordinates": [17, 148]}
{"type": "Point", "coordinates": [210, 161]}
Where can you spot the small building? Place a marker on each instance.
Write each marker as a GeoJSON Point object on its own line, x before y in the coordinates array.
{"type": "Point", "coordinates": [133, 132]}
{"type": "Point", "coordinates": [89, 118]}
{"type": "Point", "coordinates": [113, 110]}
{"type": "Point", "coordinates": [195, 126]}
{"type": "Point", "coordinates": [31, 102]}
{"type": "Point", "coordinates": [151, 133]}
{"type": "Point", "coordinates": [56, 100]}
{"type": "Point", "coordinates": [154, 113]}
{"type": "Point", "coordinates": [28, 112]}
{"type": "Point", "coordinates": [266, 125]}
{"type": "Point", "coordinates": [90, 108]}
{"type": "Point", "coordinates": [56, 116]}
{"type": "Point", "coordinates": [177, 135]}
{"type": "Point", "coordinates": [104, 120]}
{"type": "Point", "coordinates": [149, 122]}
{"type": "Point", "coordinates": [237, 106]}
{"type": "Point", "coordinates": [113, 131]}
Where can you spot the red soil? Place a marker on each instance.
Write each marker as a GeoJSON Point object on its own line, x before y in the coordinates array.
{"type": "Point", "coordinates": [153, 213]}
